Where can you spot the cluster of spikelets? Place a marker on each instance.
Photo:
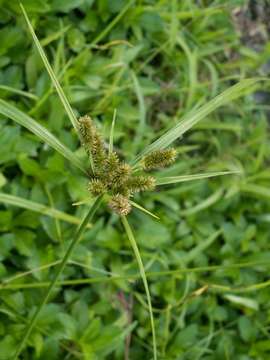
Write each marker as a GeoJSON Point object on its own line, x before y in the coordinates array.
{"type": "Point", "coordinates": [111, 176]}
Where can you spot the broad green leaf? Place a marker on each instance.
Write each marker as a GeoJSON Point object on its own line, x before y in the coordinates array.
{"type": "Point", "coordinates": [51, 73]}
{"type": "Point", "coordinates": [40, 131]}
{"type": "Point", "coordinates": [65, 5]}
{"type": "Point", "coordinates": [256, 190]}
{"type": "Point", "coordinates": [243, 301]}
{"type": "Point", "coordinates": [110, 340]}
{"type": "Point", "coordinates": [152, 234]}
{"type": "Point", "coordinates": [194, 117]}
{"type": "Point", "coordinates": [7, 344]}
{"type": "Point", "coordinates": [246, 328]}
{"type": "Point", "coordinates": [186, 338]}
{"type": "Point", "coordinates": [33, 206]}
{"type": "Point", "coordinates": [184, 178]}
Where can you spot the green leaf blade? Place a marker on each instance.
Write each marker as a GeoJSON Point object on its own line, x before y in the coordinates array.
{"type": "Point", "coordinates": [40, 131]}
{"type": "Point", "coordinates": [194, 117]}
{"type": "Point", "coordinates": [51, 73]}
{"type": "Point", "coordinates": [183, 178]}
{"type": "Point", "coordinates": [40, 208]}
{"type": "Point", "coordinates": [141, 208]}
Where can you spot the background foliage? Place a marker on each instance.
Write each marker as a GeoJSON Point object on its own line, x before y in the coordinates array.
{"type": "Point", "coordinates": [153, 61]}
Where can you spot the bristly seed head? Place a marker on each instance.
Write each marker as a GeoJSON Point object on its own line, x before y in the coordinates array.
{"type": "Point", "coordinates": [86, 132]}
{"type": "Point", "coordinates": [92, 141]}
{"type": "Point", "coordinates": [120, 204]}
{"type": "Point", "coordinates": [159, 159]}
{"type": "Point", "coordinates": [120, 174]}
{"type": "Point", "coordinates": [113, 176]}
{"type": "Point", "coordinates": [141, 183]}
{"type": "Point", "coordinates": [97, 187]}
{"type": "Point", "coordinates": [112, 161]}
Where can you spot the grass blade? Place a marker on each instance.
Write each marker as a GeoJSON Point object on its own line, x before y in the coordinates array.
{"type": "Point", "coordinates": [258, 191]}
{"type": "Point", "coordinates": [106, 31]}
{"type": "Point", "coordinates": [19, 92]}
{"type": "Point", "coordinates": [112, 132]}
{"type": "Point", "coordinates": [144, 279]}
{"type": "Point", "coordinates": [51, 73]}
{"type": "Point", "coordinates": [50, 265]}
{"type": "Point", "coordinates": [183, 178]}
{"type": "Point", "coordinates": [142, 111]}
{"type": "Point", "coordinates": [40, 208]}
{"type": "Point", "coordinates": [211, 200]}
{"type": "Point", "coordinates": [200, 248]}
{"type": "Point", "coordinates": [138, 206]}
{"type": "Point", "coordinates": [194, 117]}
{"type": "Point", "coordinates": [40, 131]}
{"type": "Point", "coordinates": [65, 259]}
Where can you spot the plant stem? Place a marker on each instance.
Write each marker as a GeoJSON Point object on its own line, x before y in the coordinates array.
{"type": "Point", "coordinates": [4, 285]}
{"type": "Point", "coordinates": [144, 279]}
{"type": "Point", "coordinates": [65, 259]}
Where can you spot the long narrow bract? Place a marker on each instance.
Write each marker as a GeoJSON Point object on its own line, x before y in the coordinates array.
{"type": "Point", "coordinates": [40, 131]}
{"type": "Point", "coordinates": [193, 117]}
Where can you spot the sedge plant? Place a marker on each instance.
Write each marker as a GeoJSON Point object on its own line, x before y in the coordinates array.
{"type": "Point", "coordinates": [111, 180]}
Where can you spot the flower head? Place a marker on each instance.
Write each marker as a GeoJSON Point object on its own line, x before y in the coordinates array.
{"type": "Point", "coordinates": [120, 204]}
{"type": "Point", "coordinates": [97, 187]}
{"type": "Point", "coordinates": [141, 183]}
{"type": "Point", "coordinates": [113, 176]}
{"type": "Point", "coordinates": [92, 141]}
{"type": "Point", "coordinates": [159, 159]}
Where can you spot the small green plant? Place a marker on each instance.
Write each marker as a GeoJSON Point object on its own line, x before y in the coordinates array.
{"type": "Point", "coordinates": [111, 180]}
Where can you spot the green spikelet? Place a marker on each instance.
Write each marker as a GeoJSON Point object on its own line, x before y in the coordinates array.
{"type": "Point", "coordinates": [121, 174]}
{"type": "Point", "coordinates": [122, 190]}
{"type": "Point", "coordinates": [120, 204]}
{"type": "Point", "coordinates": [98, 152]}
{"type": "Point", "coordinates": [112, 162]}
{"type": "Point", "coordinates": [92, 141]}
{"type": "Point", "coordinates": [159, 159]}
{"type": "Point", "coordinates": [86, 130]}
{"type": "Point", "coordinates": [141, 183]}
{"type": "Point", "coordinates": [97, 187]}
{"type": "Point", "coordinates": [115, 172]}
{"type": "Point", "coordinates": [108, 169]}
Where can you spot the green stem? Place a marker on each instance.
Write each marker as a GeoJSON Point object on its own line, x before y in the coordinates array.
{"type": "Point", "coordinates": [65, 259]}
{"type": "Point", "coordinates": [34, 285]}
{"type": "Point", "coordinates": [144, 279]}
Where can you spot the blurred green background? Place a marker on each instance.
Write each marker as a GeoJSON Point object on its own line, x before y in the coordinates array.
{"type": "Point", "coordinates": [153, 61]}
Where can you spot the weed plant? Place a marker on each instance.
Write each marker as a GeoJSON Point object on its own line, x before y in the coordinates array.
{"type": "Point", "coordinates": [112, 181]}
